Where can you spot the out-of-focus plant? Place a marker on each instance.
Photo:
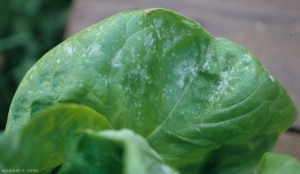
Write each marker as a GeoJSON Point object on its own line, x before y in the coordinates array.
{"type": "Point", "coordinates": [28, 29]}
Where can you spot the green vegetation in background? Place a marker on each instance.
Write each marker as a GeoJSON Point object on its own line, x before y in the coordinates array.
{"type": "Point", "coordinates": [28, 29]}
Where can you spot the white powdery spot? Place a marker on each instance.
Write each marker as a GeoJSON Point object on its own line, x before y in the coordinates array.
{"type": "Point", "coordinates": [232, 71]}
{"type": "Point", "coordinates": [207, 65]}
{"type": "Point", "coordinates": [187, 69]}
{"type": "Point", "coordinates": [116, 62]}
{"type": "Point", "coordinates": [143, 74]}
{"type": "Point", "coordinates": [31, 77]}
{"type": "Point", "coordinates": [138, 75]}
{"type": "Point", "coordinates": [272, 78]}
{"type": "Point", "coordinates": [138, 104]}
{"type": "Point", "coordinates": [149, 41]}
{"type": "Point", "coordinates": [225, 79]}
{"type": "Point", "coordinates": [94, 50]}
{"type": "Point", "coordinates": [168, 89]}
{"type": "Point", "coordinates": [69, 49]}
{"type": "Point", "coordinates": [167, 46]}
{"type": "Point", "coordinates": [246, 58]}
{"type": "Point", "coordinates": [172, 40]}
{"type": "Point", "coordinates": [188, 23]}
{"type": "Point", "coordinates": [173, 30]}
{"type": "Point", "coordinates": [57, 61]}
{"type": "Point", "coordinates": [132, 52]}
{"type": "Point", "coordinates": [232, 88]}
{"type": "Point", "coordinates": [211, 98]}
{"type": "Point", "coordinates": [45, 85]}
{"type": "Point", "coordinates": [158, 23]}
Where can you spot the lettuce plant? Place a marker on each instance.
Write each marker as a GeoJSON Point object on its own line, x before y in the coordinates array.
{"type": "Point", "coordinates": [146, 91]}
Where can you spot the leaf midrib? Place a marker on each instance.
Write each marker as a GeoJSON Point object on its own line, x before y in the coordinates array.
{"type": "Point", "coordinates": [173, 109]}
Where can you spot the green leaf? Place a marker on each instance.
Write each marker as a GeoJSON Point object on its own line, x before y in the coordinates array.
{"type": "Point", "coordinates": [113, 152]}
{"type": "Point", "coordinates": [274, 163]}
{"type": "Point", "coordinates": [163, 76]}
{"type": "Point", "coordinates": [241, 159]}
{"type": "Point", "coordinates": [41, 144]}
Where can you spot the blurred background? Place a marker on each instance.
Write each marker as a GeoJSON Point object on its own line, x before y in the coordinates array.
{"type": "Point", "coordinates": [28, 29]}
{"type": "Point", "coordinates": [270, 29]}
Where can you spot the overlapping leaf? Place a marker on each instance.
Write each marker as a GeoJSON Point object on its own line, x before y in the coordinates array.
{"type": "Point", "coordinates": [42, 143]}
{"type": "Point", "coordinates": [113, 152]}
{"type": "Point", "coordinates": [273, 163]}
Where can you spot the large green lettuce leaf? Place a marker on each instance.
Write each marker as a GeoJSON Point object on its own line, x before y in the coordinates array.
{"type": "Point", "coordinates": [164, 77]}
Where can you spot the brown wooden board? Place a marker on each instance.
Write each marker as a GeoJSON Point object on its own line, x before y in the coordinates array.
{"type": "Point", "coordinates": [289, 143]}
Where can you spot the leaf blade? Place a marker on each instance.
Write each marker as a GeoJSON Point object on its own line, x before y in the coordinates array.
{"type": "Point", "coordinates": [41, 144]}
{"type": "Point", "coordinates": [278, 163]}
{"type": "Point", "coordinates": [113, 152]}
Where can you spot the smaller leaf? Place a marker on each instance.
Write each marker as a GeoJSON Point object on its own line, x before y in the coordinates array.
{"type": "Point", "coordinates": [42, 143]}
{"type": "Point", "coordinates": [273, 163]}
{"type": "Point", "coordinates": [113, 152]}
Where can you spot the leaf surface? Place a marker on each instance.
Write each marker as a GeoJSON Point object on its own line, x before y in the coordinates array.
{"type": "Point", "coordinates": [112, 151]}
{"type": "Point", "coordinates": [274, 163]}
{"type": "Point", "coordinates": [240, 159]}
{"type": "Point", "coordinates": [42, 143]}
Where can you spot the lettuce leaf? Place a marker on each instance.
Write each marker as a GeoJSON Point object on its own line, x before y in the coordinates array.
{"type": "Point", "coordinates": [276, 163]}
{"type": "Point", "coordinates": [42, 143]}
{"type": "Point", "coordinates": [113, 151]}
